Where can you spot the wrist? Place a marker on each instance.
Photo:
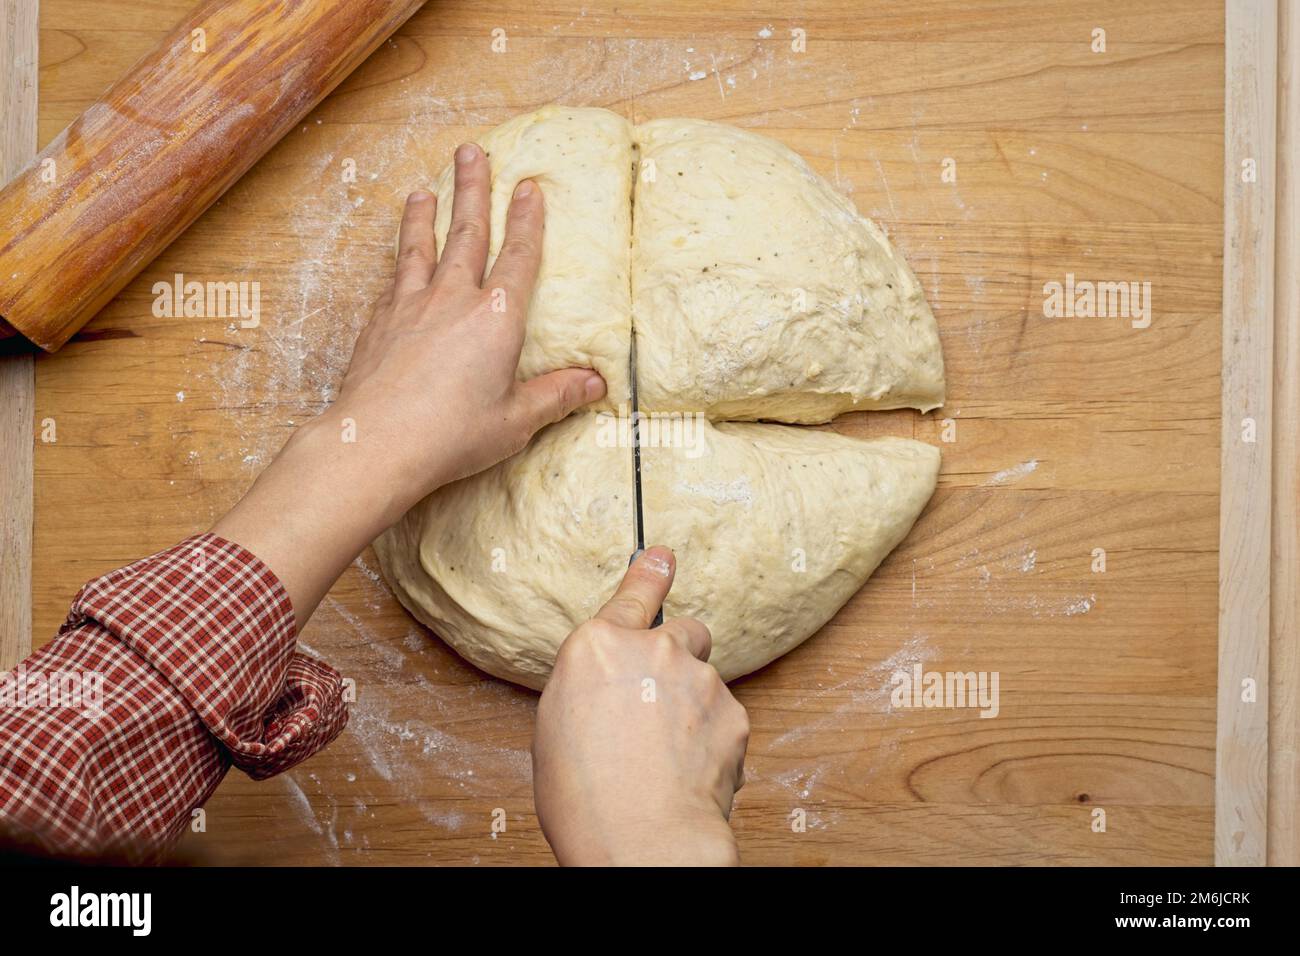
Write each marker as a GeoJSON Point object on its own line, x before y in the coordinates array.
{"type": "Point", "coordinates": [312, 511]}
{"type": "Point", "coordinates": [680, 845]}
{"type": "Point", "coordinates": [374, 457]}
{"type": "Point", "coordinates": [350, 473]}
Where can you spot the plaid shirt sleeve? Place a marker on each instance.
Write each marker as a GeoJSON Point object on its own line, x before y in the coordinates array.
{"type": "Point", "coordinates": [165, 673]}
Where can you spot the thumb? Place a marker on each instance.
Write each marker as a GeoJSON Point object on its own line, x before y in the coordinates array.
{"type": "Point", "coordinates": [548, 398]}
{"type": "Point", "coordinates": [641, 593]}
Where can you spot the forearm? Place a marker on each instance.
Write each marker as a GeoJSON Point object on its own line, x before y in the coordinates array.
{"type": "Point", "coordinates": [330, 492]}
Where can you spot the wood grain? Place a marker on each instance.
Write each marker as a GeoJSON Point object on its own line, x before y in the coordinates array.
{"type": "Point", "coordinates": [1284, 645]}
{"type": "Point", "coordinates": [18, 107]}
{"type": "Point", "coordinates": [1245, 511]}
{"type": "Point", "coordinates": [1071, 435]}
{"type": "Point", "coordinates": [142, 163]}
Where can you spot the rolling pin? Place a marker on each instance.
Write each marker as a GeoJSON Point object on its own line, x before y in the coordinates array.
{"type": "Point", "coordinates": [133, 171]}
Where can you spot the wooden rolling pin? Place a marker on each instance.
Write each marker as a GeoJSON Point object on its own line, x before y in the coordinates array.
{"type": "Point", "coordinates": [125, 179]}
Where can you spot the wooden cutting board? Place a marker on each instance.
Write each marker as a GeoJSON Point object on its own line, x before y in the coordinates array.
{"type": "Point", "coordinates": [1071, 434]}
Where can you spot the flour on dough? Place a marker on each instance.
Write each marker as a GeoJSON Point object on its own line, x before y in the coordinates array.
{"type": "Point", "coordinates": [775, 527]}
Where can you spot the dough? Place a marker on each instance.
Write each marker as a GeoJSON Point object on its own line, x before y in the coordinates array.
{"type": "Point", "coordinates": [789, 304]}
{"type": "Point", "coordinates": [773, 527]}
{"type": "Point", "coordinates": [755, 292]}
{"type": "Point", "coordinates": [580, 313]}
{"type": "Point", "coordinates": [504, 564]}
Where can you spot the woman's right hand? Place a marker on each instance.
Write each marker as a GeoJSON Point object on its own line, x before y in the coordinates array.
{"type": "Point", "coordinates": [640, 746]}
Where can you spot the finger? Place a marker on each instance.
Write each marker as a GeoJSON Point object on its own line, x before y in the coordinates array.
{"type": "Point", "coordinates": [739, 781]}
{"type": "Point", "coordinates": [642, 590]}
{"type": "Point", "coordinates": [465, 253]}
{"type": "Point", "coordinates": [744, 745]}
{"type": "Point", "coordinates": [548, 398]}
{"type": "Point", "coordinates": [515, 270]}
{"type": "Point", "coordinates": [727, 801]}
{"type": "Point", "coordinates": [417, 247]}
{"type": "Point", "coordinates": [691, 634]}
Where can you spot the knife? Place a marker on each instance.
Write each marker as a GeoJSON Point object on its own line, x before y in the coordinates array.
{"type": "Point", "coordinates": [636, 468]}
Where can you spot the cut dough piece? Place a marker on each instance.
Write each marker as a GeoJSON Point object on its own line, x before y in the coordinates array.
{"type": "Point", "coordinates": [580, 311]}
{"type": "Point", "coordinates": [503, 565]}
{"type": "Point", "coordinates": [759, 292]}
{"type": "Point", "coordinates": [764, 501]}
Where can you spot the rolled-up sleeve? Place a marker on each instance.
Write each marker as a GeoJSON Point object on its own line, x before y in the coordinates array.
{"type": "Point", "coordinates": [165, 673]}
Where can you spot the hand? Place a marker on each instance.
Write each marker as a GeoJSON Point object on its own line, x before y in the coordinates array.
{"type": "Point", "coordinates": [430, 395]}
{"type": "Point", "coordinates": [639, 747]}
{"type": "Point", "coordinates": [432, 377]}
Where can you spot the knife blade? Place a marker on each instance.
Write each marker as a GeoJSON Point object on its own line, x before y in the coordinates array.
{"type": "Point", "coordinates": [639, 516]}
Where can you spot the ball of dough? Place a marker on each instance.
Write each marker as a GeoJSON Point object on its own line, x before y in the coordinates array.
{"type": "Point", "coordinates": [755, 291]}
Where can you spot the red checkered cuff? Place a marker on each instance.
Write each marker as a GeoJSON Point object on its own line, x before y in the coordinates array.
{"type": "Point", "coordinates": [216, 623]}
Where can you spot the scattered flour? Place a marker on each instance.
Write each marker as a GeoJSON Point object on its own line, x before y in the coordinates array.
{"type": "Point", "coordinates": [849, 703]}
{"type": "Point", "coordinates": [865, 692]}
{"type": "Point", "coordinates": [990, 588]}
{"type": "Point", "coordinates": [1014, 473]}
{"type": "Point", "coordinates": [1081, 606]}
{"type": "Point", "coordinates": [405, 731]}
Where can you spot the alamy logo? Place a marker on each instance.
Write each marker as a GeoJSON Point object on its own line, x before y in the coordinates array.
{"type": "Point", "coordinates": [683, 430]}
{"type": "Point", "coordinates": [1085, 299]}
{"type": "Point", "coordinates": [917, 688]}
{"type": "Point", "coordinates": [208, 300]}
{"type": "Point", "coordinates": [22, 689]}
{"type": "Point", "coordinates": [75, 908]}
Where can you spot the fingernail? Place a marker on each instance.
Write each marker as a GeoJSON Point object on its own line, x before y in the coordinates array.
{"type": "Point", "coordinates": [420, 195]}
{"type": "Point", "coordinates": [594, 386]}
{"type": "Point", "coordinates": [466, 153]}
{"type": "Point", "coordinates": [657, 563]}
{"type": "Point", "coordinates": [524, 190]}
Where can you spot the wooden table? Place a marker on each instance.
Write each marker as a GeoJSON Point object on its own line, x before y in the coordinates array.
{"type": "Point", "coordinates": [1072, 434]}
